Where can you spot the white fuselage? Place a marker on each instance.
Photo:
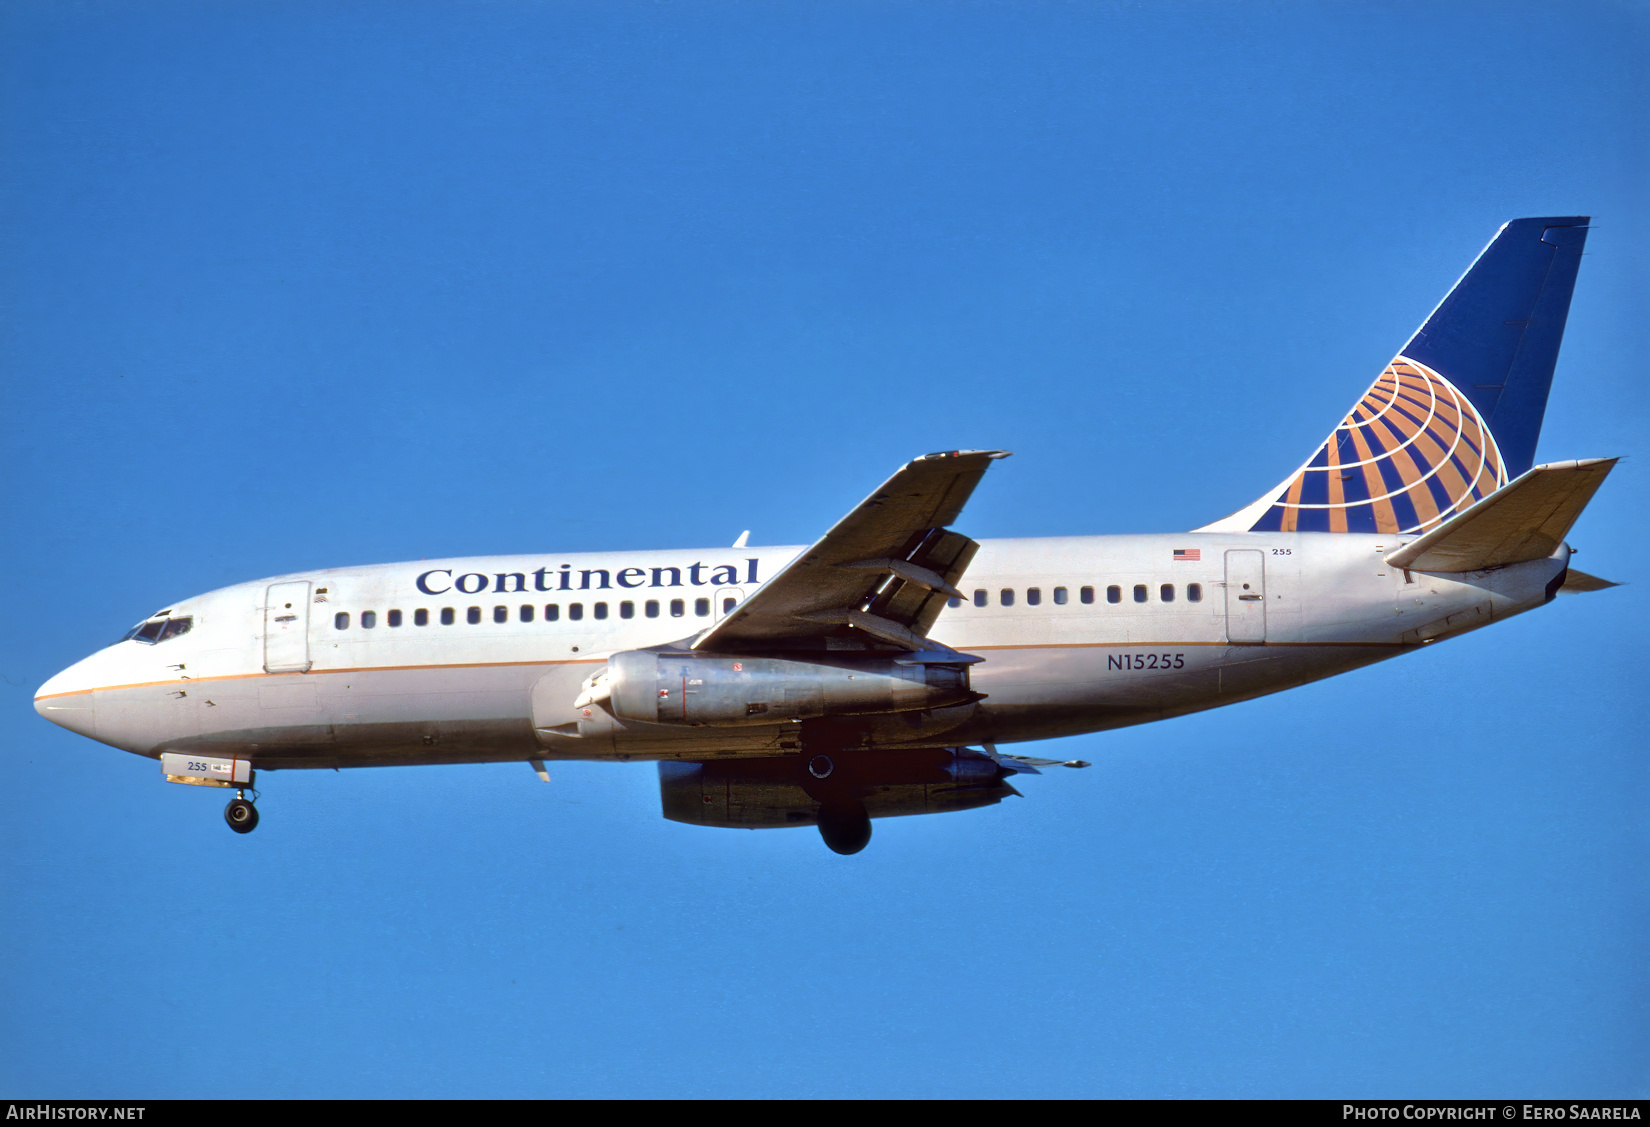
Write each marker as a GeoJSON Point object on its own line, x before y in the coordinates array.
{"type": "Point", "coordinates": [1061, 654]}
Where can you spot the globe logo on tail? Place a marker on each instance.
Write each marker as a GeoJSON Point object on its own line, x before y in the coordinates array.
{"type": "Point", "coordinates": [1411, 454]}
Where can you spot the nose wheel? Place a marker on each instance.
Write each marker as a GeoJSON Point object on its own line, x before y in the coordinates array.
{"type": "Point", "coordinates": [241, 815]}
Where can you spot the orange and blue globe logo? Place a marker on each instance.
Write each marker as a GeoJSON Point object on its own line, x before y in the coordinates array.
{"type": "Point", "coordinates": [1411, 454]}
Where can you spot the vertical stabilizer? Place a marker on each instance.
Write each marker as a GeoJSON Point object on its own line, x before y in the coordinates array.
{"type": "Point", "coordinates": [1457, 413]}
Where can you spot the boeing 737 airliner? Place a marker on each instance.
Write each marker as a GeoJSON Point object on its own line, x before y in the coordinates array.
{"type": "Point", "coordinates": [878, 671]}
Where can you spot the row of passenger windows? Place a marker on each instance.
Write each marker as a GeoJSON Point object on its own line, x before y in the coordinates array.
{"type": "Point", "coordinates": [527, 612]}
{"type": "Point", "coordinates": [1114, 594]}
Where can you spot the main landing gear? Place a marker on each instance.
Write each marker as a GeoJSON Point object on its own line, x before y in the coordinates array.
{"type": "Point", "coordinates": [241, 815]}
{"type": "Point", "coordinates": [844, 825]}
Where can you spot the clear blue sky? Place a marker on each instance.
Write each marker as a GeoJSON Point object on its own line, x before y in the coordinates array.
{"type": "Point", "coordinates": [288, 285]}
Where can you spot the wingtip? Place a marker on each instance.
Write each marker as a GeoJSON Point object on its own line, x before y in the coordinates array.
{"type": "Point", "coordinates": [939, 454]}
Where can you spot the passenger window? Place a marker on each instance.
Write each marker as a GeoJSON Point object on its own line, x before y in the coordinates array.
{"type": "Point", "coordinates": [1194, 592]}
{"type": "Point", "coordinates": [501, 614]}
{"type": "Point", "coordinates": [174, 627]}
{"type": "Point", "coordinates": [473, 616]}
{"type": "Point", "coordinates": [1114, 594]}
{"type": "Point", "coordinates": [340, 621]}
{"type": "Point", "coordinates": [421, 617]}
{"type": "Point", "coordinates": [1059, 596]}
{"type": "Point", "coordinates": [677, 608]}
{"type": "Point", "coordinates": [551, 612]}
{"type": "Point", "coordinates": [701, 607]}
{"type": "Point", "coordinates": [1166, 592]}
{"type": "Point", "coordinates": [1005, 597]}
{"type": "Point", "coordinates": [1034, 596]}
{"type": "Point", "coordinates": [651, 608]}
{"type": "Point", "coordinates": [575, 611]}
{"type": "Point", "coordinates": [601, 610]}
{"type": "Point", "coordinates": [953, 602]}
{"type": "Point", "coordinates": [527, 612]}
{"type": "Point", "coordinates": [393, 618]}
{"type": "Point", "coordinates": [981, 598]}
{"type": "Point", "coordinates": [369, 619]}
{"type": "Point", "coordinates": [1139, 592]}
{"type": "Point", "coordinates": [1086, 594]}
{"type": "Point", "coordinates": [446, 616]}
{"type": "Point", "coordinates": [728, 603]}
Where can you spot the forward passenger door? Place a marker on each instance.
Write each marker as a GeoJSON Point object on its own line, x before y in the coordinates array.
{"type": "Point", "coordinates": [286, 628]}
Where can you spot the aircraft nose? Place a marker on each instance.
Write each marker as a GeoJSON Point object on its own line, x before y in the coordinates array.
{"type": "Point", "coordinates": [66, 700]}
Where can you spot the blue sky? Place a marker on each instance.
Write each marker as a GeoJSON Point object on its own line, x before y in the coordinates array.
{"type": "Point", "coordinates": [289, 285]}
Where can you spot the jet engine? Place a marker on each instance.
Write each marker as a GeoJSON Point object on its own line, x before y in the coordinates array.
{"type": "Point", "coordinates": [716, 689]}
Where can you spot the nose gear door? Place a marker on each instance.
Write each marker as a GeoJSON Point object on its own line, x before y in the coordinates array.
{"type": "Point", "coordinates": [286, 628]}
{"type": "Point", "coordinates": [1245, 597]}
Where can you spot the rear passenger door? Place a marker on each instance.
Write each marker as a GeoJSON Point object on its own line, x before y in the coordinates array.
{"type": "Point", "coordinates": [1246, 597]}
{"type": "Point", "coordinates": [286, 628]}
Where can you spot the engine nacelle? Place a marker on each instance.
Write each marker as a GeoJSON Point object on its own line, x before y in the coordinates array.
{"type": "Point", "coordinates": [795, 790]}
{"type": "Point", "coordinates": [714, 689]}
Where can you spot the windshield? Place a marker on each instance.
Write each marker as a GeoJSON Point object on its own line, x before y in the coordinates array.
{"type": "Point", "coordinates": [159, 628]}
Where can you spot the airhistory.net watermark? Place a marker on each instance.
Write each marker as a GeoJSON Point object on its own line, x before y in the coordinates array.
{"type": "Point", "coordinates": [72, 1111]}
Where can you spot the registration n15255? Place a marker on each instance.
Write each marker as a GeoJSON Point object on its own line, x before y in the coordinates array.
{"type": "Point", "coordinates": [1146, 661]}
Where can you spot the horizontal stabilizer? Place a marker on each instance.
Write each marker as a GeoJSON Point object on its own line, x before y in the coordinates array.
{"type": "Point", "coordinates": [1526, 519]}
{"type": "Point", "coordinates": [1579, 583]}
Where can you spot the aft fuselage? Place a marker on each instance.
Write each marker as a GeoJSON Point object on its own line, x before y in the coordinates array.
{"type": "Point", "coordinates": [482, 659]}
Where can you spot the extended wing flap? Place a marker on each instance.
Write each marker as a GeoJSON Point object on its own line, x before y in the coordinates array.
{"type": "Point", "coordinates": [947, 555]}
{"type": "Point", "coordinates": [890, 562]}
{"type": "Point", "coordinates": [1526, 519]}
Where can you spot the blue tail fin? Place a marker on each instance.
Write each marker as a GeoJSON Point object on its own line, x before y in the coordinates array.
{"type": "Point", "coordinates": [1457, 413]}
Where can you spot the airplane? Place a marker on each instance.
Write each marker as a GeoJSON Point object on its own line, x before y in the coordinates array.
{"type": "Point", "coordinates": [880, 671]}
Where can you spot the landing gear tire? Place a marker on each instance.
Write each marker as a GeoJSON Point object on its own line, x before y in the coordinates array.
{"type": "Point", "coordinates": [241, 815]}
{"type": "Point", "coordinates": [845, 829]}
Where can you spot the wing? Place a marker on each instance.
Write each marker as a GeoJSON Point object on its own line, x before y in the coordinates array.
{"type": "Point", "coordinates": [878, 578]}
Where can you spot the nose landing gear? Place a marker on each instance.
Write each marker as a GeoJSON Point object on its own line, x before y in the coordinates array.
{"type": "Point", "coordinates": [241, 815]}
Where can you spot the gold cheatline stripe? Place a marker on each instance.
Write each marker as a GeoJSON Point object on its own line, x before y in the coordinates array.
{"type": "Point", "coordinates": [594, 661]}
{"type": "Point", "coordinates": [1182, 645]}
{"type": "Point", "coordinates": [359, 669]}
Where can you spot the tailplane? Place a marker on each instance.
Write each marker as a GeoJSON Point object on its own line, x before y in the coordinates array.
{"type": "Point", "coordinates": [1526, 520]}
{"type": "Point", "coordinates": [1456, 414]}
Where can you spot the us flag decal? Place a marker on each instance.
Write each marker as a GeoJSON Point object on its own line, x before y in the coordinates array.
{"type": "Point", "coordinates": [1193, 554]}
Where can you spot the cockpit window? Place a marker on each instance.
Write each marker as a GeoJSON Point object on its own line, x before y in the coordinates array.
{"type": "Point", "coordinates": [176, 626]}
{"type": "Point", "coordinates": [160, 629]}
